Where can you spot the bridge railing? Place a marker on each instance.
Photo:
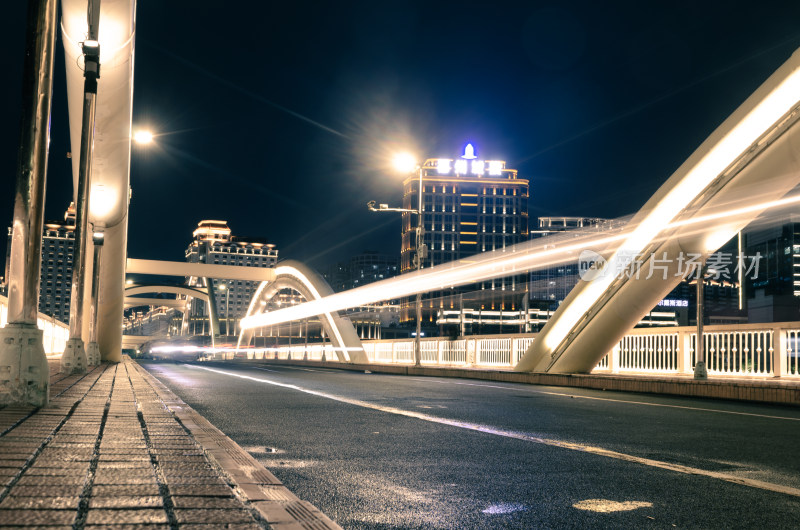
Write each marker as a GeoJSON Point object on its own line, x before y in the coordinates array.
{"type": "Point", "coordinates": [56, 333]}
{"type": "Point", "coordinates": [749, 350]}
{"type": "Point", "coordinates": [741, 350]}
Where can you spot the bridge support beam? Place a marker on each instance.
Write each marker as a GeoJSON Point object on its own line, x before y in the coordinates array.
{"type": "Point", "coordinates": [24, 375]}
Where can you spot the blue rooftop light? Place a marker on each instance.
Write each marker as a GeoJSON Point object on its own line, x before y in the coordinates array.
{"type": "Point", "coordinates": [469, 152]}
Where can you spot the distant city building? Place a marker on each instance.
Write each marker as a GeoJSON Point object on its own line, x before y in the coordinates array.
{"type": "Point", "coordinates": [362, 269]}
{"type": "Point", "coordinates": [213, 243]}
{"type": "Point", "coordinates": [773, 295]}
{"type": "Point", "coordinates": [548, 287]}
{"type": "Point", "coordinates": [159, 321]}
{"type": "Point", "coordinates": [469, 205]}
{"type": "Point", "coordinates": [552, 225]}
{"type": "Point", "coordinates": [55, 283]}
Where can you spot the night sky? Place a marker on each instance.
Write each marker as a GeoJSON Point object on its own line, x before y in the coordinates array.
{"type": "Point", "coordinates": [281, 117]}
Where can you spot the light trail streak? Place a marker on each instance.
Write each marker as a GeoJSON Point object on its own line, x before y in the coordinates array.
{"type": "Point", "coordinates": [521, 258]}
{"type": "Point", "coordinates": [245, 91]}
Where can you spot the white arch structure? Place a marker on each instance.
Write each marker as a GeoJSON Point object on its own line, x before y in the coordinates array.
{"type": "Point", "coordinates": [190, 292]}
{"type": "Point", "coordinates": [294, 275]}
{"type": "Point", "coordinates": [131, 300]}
{"type": "Point", "coordinates": [753, 157]}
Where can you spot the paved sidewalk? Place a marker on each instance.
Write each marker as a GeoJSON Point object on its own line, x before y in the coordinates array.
{"type": "Point", "coordinates": [115, 448]}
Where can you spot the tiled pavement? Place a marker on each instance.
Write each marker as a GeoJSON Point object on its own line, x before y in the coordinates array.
{"type": "Point", "coordinates": [115, 448]}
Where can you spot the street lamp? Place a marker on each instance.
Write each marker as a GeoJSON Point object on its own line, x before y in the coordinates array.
{"type": "Point", "coordinates": [143, 137]}
{"type": "Point", "coordinates": [224, 287]}
{"type": "Point", "coordinates": [407, 163]}
{"type": "Point", "coordinates": [700, 370]}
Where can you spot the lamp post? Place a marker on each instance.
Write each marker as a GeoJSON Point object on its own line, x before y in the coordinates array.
{"type": "Point", "coordinates": [700, 371]}
{"type": "Point", "coordinates": [92, 349]}
{"type": "Point", "coordinates": [406, 163]}
{"type": "Point", "coordinates": [74, 359]}
{"type": "Point", "coordinates": [225, 287]}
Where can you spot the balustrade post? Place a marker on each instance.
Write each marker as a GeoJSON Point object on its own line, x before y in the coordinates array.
{"type": "Point", "coordinates": [613, 360]}
{"type": "Point", "coordinates": [512, 360]}
{"type": "Point", "coordinates": [470, 357]}
{"type": "Point", "coordinates": [439, 348]}
{"type": "Point", "coordinates": [780, 345]}
{"type": "Point", "coordinates": [684, 352]}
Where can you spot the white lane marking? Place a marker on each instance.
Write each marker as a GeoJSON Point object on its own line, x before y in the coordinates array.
{"type": "Point", "coordinates": [607, 506]}
{"type": "Point", "coordinates": [266, 369]}
{"type": "Point", "coordinates": [316, 370]}
{"type": "Point", "coordinates": [525, 436]}
{"type": "Point", "coordinates": [578, 396]}
{"type": "Point", "coordinates": [303, 369]}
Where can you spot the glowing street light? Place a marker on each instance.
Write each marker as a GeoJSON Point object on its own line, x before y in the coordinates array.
{"type": "Point", "coordinates": [407, 163]}
{"type": "Point", "coordinates": [143, 137]}
{"type": "Point", "coordinates": [404, 162]}
{"type": "Point", "coordinates": [225, 287]}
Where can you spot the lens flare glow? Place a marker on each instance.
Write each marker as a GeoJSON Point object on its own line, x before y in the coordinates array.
{"type": "Point", "coordinates": [143, 137]}
{"type": "Point", "coordinates": [102, 201]}
{"type": "Point", "coordinates": [404, 162]}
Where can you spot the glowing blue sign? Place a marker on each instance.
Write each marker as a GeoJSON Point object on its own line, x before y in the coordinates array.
{"type": "Point", "coordinates": [469, 152]}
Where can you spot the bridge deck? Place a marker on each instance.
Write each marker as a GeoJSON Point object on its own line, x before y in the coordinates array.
{"type": "Point", "coordinates": [115, 446]}
{"type": "Point", "coordinates": [755, 389]}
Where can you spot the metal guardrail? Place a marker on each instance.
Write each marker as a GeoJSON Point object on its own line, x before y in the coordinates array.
{"type": "Point", "coordinates": [744, 350]}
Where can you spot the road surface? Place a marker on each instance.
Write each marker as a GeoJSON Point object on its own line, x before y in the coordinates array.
{"type": "Point", "coordinates": [381, 451]}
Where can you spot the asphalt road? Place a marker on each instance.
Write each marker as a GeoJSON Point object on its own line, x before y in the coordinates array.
{"type": "Point", "coordinates": [380, 451]}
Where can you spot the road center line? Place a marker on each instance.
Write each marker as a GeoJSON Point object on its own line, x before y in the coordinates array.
{"type": "Point", "coordinates": [524, 436]}
{"type": "Point", "coordinates": [578, 396]}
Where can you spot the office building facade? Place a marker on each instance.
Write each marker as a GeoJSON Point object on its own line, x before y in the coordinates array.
{"type": "Point", "coordinates": [773, 290]}
{"type": "Point", "coordinates": [362, 269]}
{"type": "Point", "coordinates": [55, 282]}
{"type": "Point", "coordinates": [549, 286]}
{"type": "Point", "coordinates": [213, 243]}
{"type": "Point", "coordinates": [470, 205]}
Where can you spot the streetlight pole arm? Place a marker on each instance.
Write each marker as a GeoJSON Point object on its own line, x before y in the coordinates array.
{"type": "Point", "coordinates": [421, 251]}
{"type": "Point", "coordinates": [387, 208]}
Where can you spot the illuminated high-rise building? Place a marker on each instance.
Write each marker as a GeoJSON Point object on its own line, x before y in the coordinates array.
{"type": "Point", "coordinates": [551, 285]}
{"type": "Point", "coordinates": [469, 205]}
{"type": "Point", "coordinates": [55, 281]}
{"type": "Point", "coordinates": [214, 244]}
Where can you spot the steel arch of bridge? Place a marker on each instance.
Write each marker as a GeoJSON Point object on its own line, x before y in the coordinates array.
{"type": "Point", "coordinates": [170, 289]}
{"type": "Point", "coordinates": [297, 276]}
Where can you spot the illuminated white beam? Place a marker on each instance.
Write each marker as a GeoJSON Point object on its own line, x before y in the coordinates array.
{"type": "Point", "coordinates": [725, 147]}
{"type": "Point", "coordinates": [200, 270]}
